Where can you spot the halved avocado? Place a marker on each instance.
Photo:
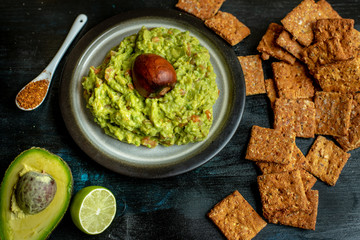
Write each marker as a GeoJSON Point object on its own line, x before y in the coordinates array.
{"type": "Point", "coordinates": [14, 224]}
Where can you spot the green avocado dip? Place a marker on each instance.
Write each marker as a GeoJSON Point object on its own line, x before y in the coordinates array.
{"type": "Point", "coordinates": [181, 116]}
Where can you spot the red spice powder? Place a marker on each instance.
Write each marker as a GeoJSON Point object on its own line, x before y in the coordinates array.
{"type": "Point", "coordinates": [32, 94]}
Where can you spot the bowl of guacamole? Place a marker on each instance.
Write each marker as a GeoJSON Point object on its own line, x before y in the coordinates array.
{"type": "Point", "coordinates": [181, 116]}
{"type": "Point", "coordinates": [118, 128]}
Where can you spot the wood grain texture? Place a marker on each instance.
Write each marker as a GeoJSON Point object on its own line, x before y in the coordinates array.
{"type": "Point", "coordinates": [173, 208]}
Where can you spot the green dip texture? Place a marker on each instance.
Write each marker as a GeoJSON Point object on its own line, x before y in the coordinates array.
{"type": "Point", "coordinates": [183, 115]}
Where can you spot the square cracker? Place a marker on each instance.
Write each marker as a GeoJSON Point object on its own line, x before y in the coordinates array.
{"type": "Point", "coordinates": [342, 30]}
{"type": "Point", "coordinates": [269, 47]}
{"type": "Point", "coordinates": [342, 76]}
{"type": "Point", "coordinates": [332, 28]}
{"type": "Point", "coordinates": [292, 81]}
{"type": "Point", "coordinates": [270, 145]}
{"type": "Point", "coordinates": [297, 161]}
{"type": "Point", "coordinates": [352, 140]}
{"type": "Point", "coordinates": [332, 113]}
{"type": "Point", "coordinates": [235, 217]}
{"type": "Point", "coordinates": [300, 20]}
{"type": "Point", "coordinates": [326, 160]}
{"type": "Point", "coordinates": [228, 27]}
{"type": "Point", "coordinates": [295, 115]}
{"type": "Point", "coordinates": [285, 41]}
{"type": "Point", "coordinates": [300, 219]}
{"type": "Point", "coordinates": [282, 192]}
{"type": "Point", "coordinates": [271, 91]}
{"type": "Point", "coordinates": [202, 9]}
{"type": "Point", "coordinates": [327, 51]}
{"type": "Point", "coordinates": [308, 179]}
{"type": "Point", "coordinates": [253, 74]}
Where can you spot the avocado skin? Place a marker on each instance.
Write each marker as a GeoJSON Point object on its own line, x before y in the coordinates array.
{"type": "Point", "coordinates": [41, 160]}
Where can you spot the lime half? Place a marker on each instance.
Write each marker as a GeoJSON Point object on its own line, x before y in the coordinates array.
{"type": "Point", "coordinates": [93, 209]}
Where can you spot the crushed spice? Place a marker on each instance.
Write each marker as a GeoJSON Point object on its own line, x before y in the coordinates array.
{"type": "Point", "coordinates": [33, 94]}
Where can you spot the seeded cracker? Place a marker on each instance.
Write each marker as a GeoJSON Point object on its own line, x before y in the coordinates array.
{"type": "Point", "coordinates": [297, 159]}
{"type": "Point", "coordinates": [271, 91]}
{"type": "Point", "coordinates": [299, 21]}
{"type": "Point", "coordinates": [270, 145]}
{"type": "Point", "coordinates": [228, 27]}
{"type": "Point", "coordinates": [292, 81]}
{"type": "Point", "coordinates": [282, 192]}
{"type": "Point", "coordinates": [269, 47]}
{"type": "Point", "coordinates": [342, 76]}
{"type": "Point", "coordinates": [332, 113]}
{"type": "Point", "coordinates": [236, 219]}
{"type": "Point", "coordinates": [308, 179]}
{"type": "Point", "coordinates": [333, 28]}
{"type": "Point", "coordinates": [326, 52]}
{"type": "Point", "coordinates": [203, 9]}
{"type": "Point", "coordinates": [352, 140]}
{"type": "Point", "coordinates": [296, 116]}
{"type": "Point", "coordinates": [297, 162]}
{"type": "Point", "coordinates": [253, 74]}
{"type": "Point", "coordinates": [300, 219]}
{"type": "Point", "coordinates": [292, 46]}
{"type": "Point", "coordinates": [325, 160]}
{"type": "Point", "coordinates": [335, 41]}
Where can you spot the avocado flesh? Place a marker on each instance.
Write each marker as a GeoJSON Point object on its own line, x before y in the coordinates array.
{"type": "Point", "coordinates": [16, 224]}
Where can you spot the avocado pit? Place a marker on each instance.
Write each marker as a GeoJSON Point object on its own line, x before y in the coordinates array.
{"type": "Point", "coordinates": [153, 76]}
{"type": "Point", "coordinates": [35, 191]}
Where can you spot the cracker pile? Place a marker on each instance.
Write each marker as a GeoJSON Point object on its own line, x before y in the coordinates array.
{"type": "Point", "coordinates": [314, 92]}
{"type": "Point", "coordinates": [315, 84]}
{"type": "Point", "coordinates": [224, 24]}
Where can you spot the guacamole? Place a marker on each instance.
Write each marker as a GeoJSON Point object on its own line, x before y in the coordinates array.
{"type": "Point", "coordinates": [181, 116]}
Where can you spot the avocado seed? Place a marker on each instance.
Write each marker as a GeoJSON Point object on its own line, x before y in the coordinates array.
{"type": "Point", "coordinates": [35, 191]}
{"type": "Point", "coordinates": [153, 76]}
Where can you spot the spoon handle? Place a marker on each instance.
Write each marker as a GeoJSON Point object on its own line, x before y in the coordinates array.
{"type": "Point", "coordinates": [75, 29]}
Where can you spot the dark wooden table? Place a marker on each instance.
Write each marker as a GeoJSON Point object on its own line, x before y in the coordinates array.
{"type": "Point", "coordinates": [173, 208]}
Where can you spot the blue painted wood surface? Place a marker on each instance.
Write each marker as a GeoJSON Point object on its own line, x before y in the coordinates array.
{"type": "Point", "coordinates": [174, 208]}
